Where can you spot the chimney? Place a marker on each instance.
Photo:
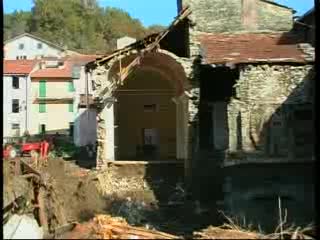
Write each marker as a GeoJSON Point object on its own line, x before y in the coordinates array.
{"type": "Point", "coordinates": [249, 15]}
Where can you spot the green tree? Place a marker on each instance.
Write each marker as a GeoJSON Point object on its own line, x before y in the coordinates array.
{"type": "Point", "coordinates": [16, 23]}
{"type": "Point", "coordinates": [155, 28]}
{"type": "Point", "coordinates": [81, 25]}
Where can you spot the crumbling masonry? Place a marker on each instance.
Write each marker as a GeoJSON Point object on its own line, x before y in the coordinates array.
{"type": "Point", "coordinates": [263, 116]}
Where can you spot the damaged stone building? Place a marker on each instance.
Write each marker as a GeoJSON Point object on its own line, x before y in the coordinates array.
{"type": "Point", "coordinates": [228, 77]}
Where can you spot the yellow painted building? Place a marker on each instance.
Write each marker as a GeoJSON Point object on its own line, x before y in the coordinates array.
{"type": "Point", "coordinates": [52, 100]}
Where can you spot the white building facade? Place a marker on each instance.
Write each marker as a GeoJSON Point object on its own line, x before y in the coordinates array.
{"type": "Point", "coordinates": [28, 46]}
{"type": "Point", "coordinates": [85, 124]}
{"type": "Point", "coordinates": [16, 95]}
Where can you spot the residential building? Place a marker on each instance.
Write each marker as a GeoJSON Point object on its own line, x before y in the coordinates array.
{"type": "Point", "coordinates": [16, 90]}
{"type": "Point", "coordinates": [52, 96]}
{"type": "Point", "coordinates": [85, 124]}
{"type": "Point", "coordinates": [58, 93]}
{"type": "Point", "coordinates": [28, 46]}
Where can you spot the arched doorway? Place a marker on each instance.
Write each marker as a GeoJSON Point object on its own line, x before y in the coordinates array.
{"type": "Point", "coordinates": [147, 118]}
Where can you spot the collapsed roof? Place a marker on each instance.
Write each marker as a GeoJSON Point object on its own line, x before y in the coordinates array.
{"type": "Point", "coordinates": [251, 48]}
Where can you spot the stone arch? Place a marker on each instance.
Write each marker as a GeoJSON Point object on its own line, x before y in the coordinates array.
{"type": "Point", "coordinates": [166, 64]}
{"type": "Point", "coordinates": [163, 61]}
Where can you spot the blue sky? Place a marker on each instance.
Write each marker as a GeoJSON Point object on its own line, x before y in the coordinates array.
{"type": "Point", "coordinates": [152, 11]}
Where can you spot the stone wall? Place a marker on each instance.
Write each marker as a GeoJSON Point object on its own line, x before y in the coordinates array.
{"type": "Point", "coordinates": [213, 16]}
{"type": "Point", "coordinates": [273, 17]}
{"type": "Point", "coordinates": [103, 84]}
{"type": "Point", "coordinates": [267, 99]}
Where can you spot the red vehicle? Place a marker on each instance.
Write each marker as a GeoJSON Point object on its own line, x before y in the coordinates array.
{"type": "Point", "coordinates": [31, 148]}
{"type": "Point", "coordinates": [35, 148]}
{"type": "Point", "coordinates": [8, 152]}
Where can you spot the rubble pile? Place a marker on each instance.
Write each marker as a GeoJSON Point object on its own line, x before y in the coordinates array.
{"type": "Point", "coordinates": [107, 227]}
{"type": "Point", "coordinates": [222, 233]}
{"type": "Point", "coordinates": [109, 183]}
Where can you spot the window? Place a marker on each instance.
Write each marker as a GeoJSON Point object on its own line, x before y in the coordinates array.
{"type": "Point", "coordinates": [24, 57]}
{"type": "Point", "coordinates": [15, 105]}
{"type": "Point", "coordinates": [42, 108]}
{"type": "Point", "coordinates": [71, 128]}
{"type": "Point", "coordinates": [150, 108]}
{"type": "Point", "coordinates": [150, 136]}
{"type": "Point", "coordinates": [71, 86]}
{"type": "Point", "coordinates": [39, 45]}
{"type": "Point", "coordinates": [17, 57]}
{"type": "Point", "coordinates": [21, 46]}
{"type": "Point", "coordinates": [42, 88]}
{"type": "Point", "coordinates": [15, 129]}
{"type": "Point", "coordinates": [15, 82]}
{"type": "Point", "coordinates": [70, 106]}
{"type": "Point", "coordinates": [15, 126]}
{"type": "Point", "coordinates": [42, 129]}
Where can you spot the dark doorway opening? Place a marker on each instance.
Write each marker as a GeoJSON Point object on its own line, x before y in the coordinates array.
{"type": "Point", "coordinates": [216, 90]}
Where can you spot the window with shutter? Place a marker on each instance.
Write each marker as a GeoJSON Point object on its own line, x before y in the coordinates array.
{"type": "Point", "coordinates": [42, 88]}
{"type": "Point", "coordinates": [15, 105]}
{"type": "Point", "coordinates": [15, 82]}
{"type": "Point", "coordinates": [70, 107]}
{"type": "Point", "coordinates": [42, 108]}
{"type": "Point", "coordinates": [71, 86]}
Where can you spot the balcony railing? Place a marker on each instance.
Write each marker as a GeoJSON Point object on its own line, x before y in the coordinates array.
{"type": "Point", "coordinates": [55, 95]}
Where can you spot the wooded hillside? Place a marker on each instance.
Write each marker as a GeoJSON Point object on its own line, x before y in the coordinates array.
{"type": "Point", "coordinates": [80, 25]}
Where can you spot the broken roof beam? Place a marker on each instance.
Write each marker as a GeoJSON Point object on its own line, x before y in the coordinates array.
{"type": "Point", "coordinates": [126, 71]}
{"type": "Point", "coordinates": [148, 42]}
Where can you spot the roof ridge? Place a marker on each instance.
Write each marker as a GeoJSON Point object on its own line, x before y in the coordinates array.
{"type": "Point", "coordinates": [37, 38]}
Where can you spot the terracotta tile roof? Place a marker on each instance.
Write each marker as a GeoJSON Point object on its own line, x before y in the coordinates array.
{"type": "Point", "coordinates": [18, 66]}
{"type": "Point", "coordinates": [250, 47]}
{"type": "Point", "coordinates": [64, 71]}
{"type": "Point", "coordinates": [82, 59]}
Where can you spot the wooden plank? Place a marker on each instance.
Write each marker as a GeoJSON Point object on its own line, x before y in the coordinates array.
{"type": "Point", "coordinates": [29, 168]}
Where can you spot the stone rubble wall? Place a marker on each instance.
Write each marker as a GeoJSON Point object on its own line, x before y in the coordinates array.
{"type": "Point", "coordinates": [103, 87]}
{"type": "Point", "coordinates": [273, 17]}
{"type": "Point", "coordinates": [216, 16]}
{"type": "Point", "coordinates": [268, 95]}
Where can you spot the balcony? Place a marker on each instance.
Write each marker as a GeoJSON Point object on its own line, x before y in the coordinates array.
{"type": "Point", "coordinates": [57, 97]}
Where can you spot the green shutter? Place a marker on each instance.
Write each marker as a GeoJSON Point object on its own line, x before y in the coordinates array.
{"type": "Point", "coordinates": [70, 107]}
{"type": "Point", "coordinates": [70, 86]}
{"type": "Point", "coordinates": [42, 88]}
{"type": "Point", "coordinates": [42, 108]}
